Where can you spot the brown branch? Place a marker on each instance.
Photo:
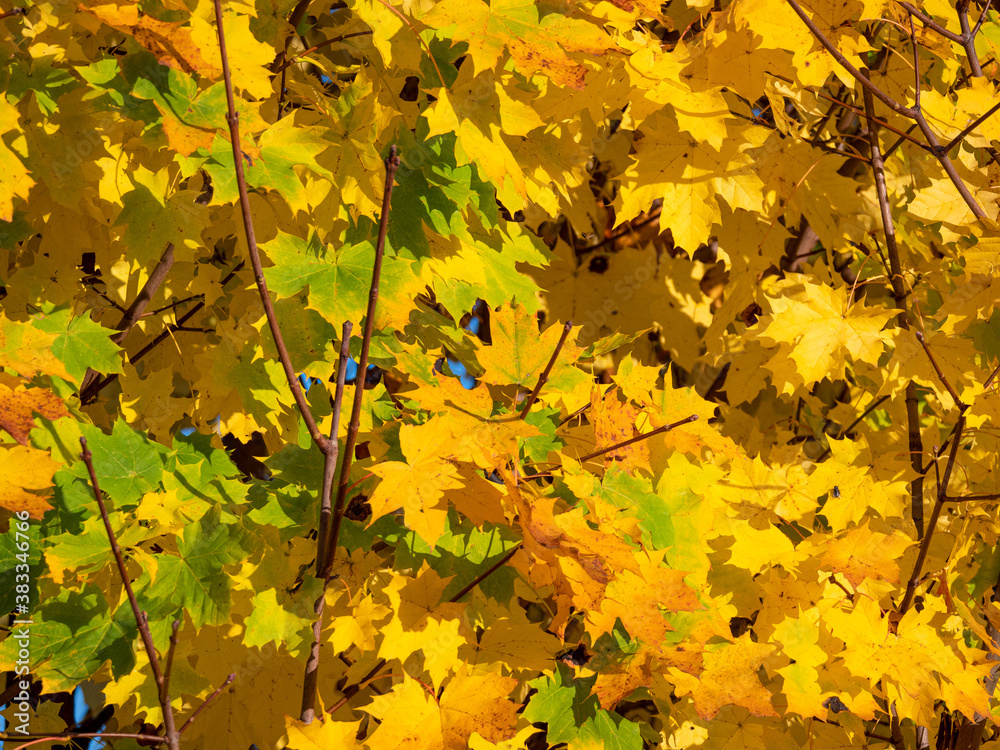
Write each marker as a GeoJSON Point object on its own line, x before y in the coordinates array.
{"type": "Point", "coordinates": [165, 688]}
{"type": "Point", "coordinates": [272, 320]}
{"type": "Point", "coordinates": [939, 151]}
{"type": "Point", "coordinates": [982, 498]}
{"type": "Point", "coordinates": [353, 690]}
{"type": "Point", "coordinates": [937, 371]}
{"type": "Point", "coordinates": [482, 576]}
{"type": "Point", "coordinates": [991, 378]}
{"type": "Point", "coordinates": [310, 680]}
{"type": "Point", "coordinates": [871, 407]}
{"type": "Point", "coordinates": [932, 24]}
{"type": "Point", "coordinates": [851, 108]}
{"type": "Point", "coordinates": [330, 465]}
{"type": "Point", "coordinates": [88, 396]}
{"type": "Point", "coordinates": [932, 523]}
{"type": "Point", "coordinates": [391, 165]}
{"type": "Point", "coordinates": [979, 121]}
{"type": "Point", "coordinates": [857, 74]}
{"type": "Point", "coordinates": [912, 113]}
{"type": "Point", "coordinates": [982, 17]}
{"type": "Point", "coordinates": [942, 156]}
{"type": "Point", "coordinates": [172, 736]}
{"type": "Point", "coordinates": [209, 699]}
{"type": "Point", "coordinates": [916, 447]}
{"type": "Point", "coordinates": [942, 493]}
{"type": "Point", "coordinates": [131, 316]}
{"type": "Point", "coordinates": [303, 53]}
{"type": "Point", "coordinates": [14, 12]}
{"type": "Point", "coordinates": [969, 36]}
{"type": "Point", "coordinates": [544, 377]}
{"type": "Point", "coordinates": [637, 438]}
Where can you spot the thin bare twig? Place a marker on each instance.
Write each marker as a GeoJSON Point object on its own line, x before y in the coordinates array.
{"type": "Point", "coordinates": [942, 490]}
{"type": "Point", "coordinates": [327, 43]}
{"type": "Point", "coordinates": [979, 121]}
{"type": "Point", "coordinates": [969, 37]}
{"type": "Point", "coordinates": [981, 498]}
{"type": "Point", "coordinates": [258, 271]}
{"type": "Point", "coordinates": [932, 24]}
{"type": "Point", "coordinates": [871, 407]}
{"type": "Point", "coordinates": [172, 736]}
{"type": "Point", "coordinates": [982, 17]}
{"type": "Point", "coordinates": [209, 699]}
{"type": "Point", "coordinates": [937, 371]}
{"type": "Point", "coordinates": [132, 315]}
{"type": "Point", "coordinates": [482, 576]}
{"type": "Point", "coordinates": [932, 522]}
{"type": "Point", "coordinates": [14, 12]}
{"type": "Point", "coordinates": [391, 165]}
{"type": "Point", "coordinates": [353, 690]}
{"type": "Point", "coordinates": [913, 113]}
{"type": "Point", "coordinates": [637, 438]}
{"type": "Point", "coordinates": [89, 395]}
{"type": "Point", "coordinates": [544, 377]}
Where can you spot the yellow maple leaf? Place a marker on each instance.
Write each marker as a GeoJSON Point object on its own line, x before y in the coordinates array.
{"type": "Point", "coordinates": [418, 485]}
{"type": "Point", "coordinates": [614, 422]}
{"type": "Point", "coordinates": [537, 43]}
{"type": "Point", "coordinates": [862, 555]}
{"type": "Point", "coordinates": [817, 328]}
{"type": "Point", "coordinates": [730, 677]}
{"type": "Point", "coordinates": [25, 478]}
{"type": "Point", "coordinates": [321, 734]}
{"type": "Point", "coordinates": [412, 717]}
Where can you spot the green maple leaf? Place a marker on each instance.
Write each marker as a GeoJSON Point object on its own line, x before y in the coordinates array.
{"type": "Point", "coordinates": [573, 715]}
{"type": "Point", "coordinates": [126, 463]}
{"type": "Point", "coordinates": [79, 342]}
{"type": "Point", "coordinates": [195, 579]}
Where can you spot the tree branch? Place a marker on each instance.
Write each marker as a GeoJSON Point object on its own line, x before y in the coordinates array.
{"type": "Point", "coordinates": [637, 438]}
{"type": "Point", "coordinates": [916, 447]}
{"type": "Point", "coordinates": [131, 316]}
{"type": "Point", "coordinates": [544, 377]}
{"type": "Point", "coordinates": [857, 74]}
{"type": "Point", "coordinates": [272, 320]}
{"type": "Point", "coordinates": [391, 165]}
{"type": "Point", "coordinates": [311, 678]}
{"type": "Point", "coordinates": [172, 736]}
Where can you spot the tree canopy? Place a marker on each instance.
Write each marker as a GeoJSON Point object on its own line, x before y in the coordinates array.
{"type": "Point", "coordinates": [608, 373]}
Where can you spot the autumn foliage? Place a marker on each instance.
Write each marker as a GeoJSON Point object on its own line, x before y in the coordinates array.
{"type": "Point", "coordinates": [671, 420]}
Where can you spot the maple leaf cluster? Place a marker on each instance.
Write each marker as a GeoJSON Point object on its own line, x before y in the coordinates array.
{"type": "Point", "coordinates": [675, 353]}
